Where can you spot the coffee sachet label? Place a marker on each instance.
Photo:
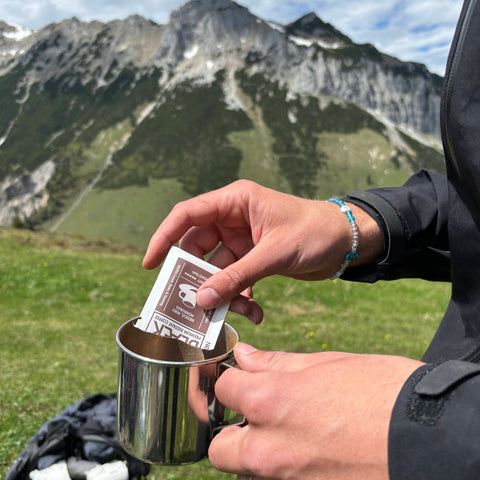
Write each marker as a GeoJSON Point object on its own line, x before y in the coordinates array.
{"type": "Point", "coordinates": [171, 309]}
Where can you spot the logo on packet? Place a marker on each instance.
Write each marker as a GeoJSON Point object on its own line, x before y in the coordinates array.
{"type": "Point", "coordinates": [171, 309]}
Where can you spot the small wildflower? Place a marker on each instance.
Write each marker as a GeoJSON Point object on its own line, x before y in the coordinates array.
{"type": "Point", "coordinates": [312, 334]}
{"type": "Point", "coordinates": [324, 346]}
{"type": "Point", "coordinates": [387, 336]}
{"type": "Point", "coordinates": [45, 264]}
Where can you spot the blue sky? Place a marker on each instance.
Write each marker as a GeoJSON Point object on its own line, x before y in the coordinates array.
{"type": "Point", "coordinates": [416, 30]}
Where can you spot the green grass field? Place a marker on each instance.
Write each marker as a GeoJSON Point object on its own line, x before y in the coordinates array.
{"type": "Point", "coordinates": [62, 299]}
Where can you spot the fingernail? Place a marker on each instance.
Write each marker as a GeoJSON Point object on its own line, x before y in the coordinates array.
{"type": "Point", "coordinates": [244, 348]}
{"type": "Point", "coordinates": [208, 298]}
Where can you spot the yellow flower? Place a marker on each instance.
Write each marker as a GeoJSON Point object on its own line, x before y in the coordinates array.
{"type": "Point", "coordinates": [312, 334]}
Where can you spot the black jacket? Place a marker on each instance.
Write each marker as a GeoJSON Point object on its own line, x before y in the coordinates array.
{"type": "Point", "coordinates": [432, 230]}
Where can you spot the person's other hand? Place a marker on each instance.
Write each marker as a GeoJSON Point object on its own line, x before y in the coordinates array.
{"type": "Point", "coordinates": [322, 416]}
{"type": "Point", "coordinates": [255, 232]}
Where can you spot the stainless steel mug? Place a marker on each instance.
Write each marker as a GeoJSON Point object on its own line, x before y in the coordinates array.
{"type": "Point", "coordinates": [167, 413]}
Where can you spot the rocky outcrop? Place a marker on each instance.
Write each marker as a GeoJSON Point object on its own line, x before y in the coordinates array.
{"type": "Point", "coordinates": [22, 196]}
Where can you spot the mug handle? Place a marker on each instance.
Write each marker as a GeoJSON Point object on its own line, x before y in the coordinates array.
{"type": "Point", "coordinates": [216, 410]}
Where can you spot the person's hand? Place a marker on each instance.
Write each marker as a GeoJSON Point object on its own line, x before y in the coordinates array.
{"type": "Point", "coordinates": [256, 232]}
{"type": "Point", "coordinates": [322, 416]}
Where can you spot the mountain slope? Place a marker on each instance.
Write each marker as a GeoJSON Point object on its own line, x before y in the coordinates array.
{"type": "Point", "coordinates": [104, 127]}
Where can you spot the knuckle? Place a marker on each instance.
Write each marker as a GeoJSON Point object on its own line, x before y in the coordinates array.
{"type": "Point", "coordinates": [252, 454]}
{"type": "Point", "coordinates": [215, 452]}
{"type": "Point", "coordinates": [235, 278]}
{"type": "Point", "coordinates": [261, 406]}
{"type": "Point", "coordinates": [180, 210]}
{"type": "Point", "coordinates": [244, 189]}
{"type": "Point", "coordinates": [257, 457]}
{"type": "Point", "coordinates": [243, 184]}
{"type": "Point", "coordinates": [237, 190]}
{"type": "Point", "coordinates": [275, 359]}
{"type": "Point", "coordinates": [255, 402]}
{"type": "Point", "coordinates": [179, 207]}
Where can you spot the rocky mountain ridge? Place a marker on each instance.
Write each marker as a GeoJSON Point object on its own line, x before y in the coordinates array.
{"type": "Point", "coordinates": [308, 57]}
{"type": "Point", "coordinates": [67, 85]}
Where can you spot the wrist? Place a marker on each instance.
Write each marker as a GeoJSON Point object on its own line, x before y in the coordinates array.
{"type": "Point", "coordinates": [353, 254]}
{"type": "Point", "coordinates": [370, 237]}
{"type": "Point", "coordinates": [361, 239]}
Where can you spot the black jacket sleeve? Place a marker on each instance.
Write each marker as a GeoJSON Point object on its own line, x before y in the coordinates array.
{"type": "Point", "coordinates": [413, 219]}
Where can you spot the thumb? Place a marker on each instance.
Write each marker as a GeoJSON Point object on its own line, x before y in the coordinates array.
{"type": "Point", "coordinates": [252, 360]}
{"type": "Point", "coordinates": [226, 284]}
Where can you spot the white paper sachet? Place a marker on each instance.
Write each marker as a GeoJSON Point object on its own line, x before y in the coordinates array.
{"type": "Point", "coordinates": [57, 471]}
{"type": "Point", "coordinates": [171, 309]}
{"type": "Point", "coordinates": [116, 470]}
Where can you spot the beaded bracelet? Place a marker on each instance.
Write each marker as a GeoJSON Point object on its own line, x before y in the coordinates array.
{"type": "Point", "coordinates": [353, 253]}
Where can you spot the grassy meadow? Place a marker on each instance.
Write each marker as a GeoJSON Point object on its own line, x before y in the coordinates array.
{"type": "Point", "coordinates": [62, 299]}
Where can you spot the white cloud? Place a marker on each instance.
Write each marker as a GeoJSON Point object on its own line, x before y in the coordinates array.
{"type": "Point", "coordinates": [38, 13]}
{"type": "Point", "coordinates": [417, 30]}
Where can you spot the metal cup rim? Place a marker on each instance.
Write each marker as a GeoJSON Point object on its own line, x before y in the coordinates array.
{"type": "Point", "coordinates": [155, 361]}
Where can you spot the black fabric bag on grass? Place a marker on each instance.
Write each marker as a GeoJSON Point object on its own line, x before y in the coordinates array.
{"type": "Point", "coordinates": [85, 430]}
